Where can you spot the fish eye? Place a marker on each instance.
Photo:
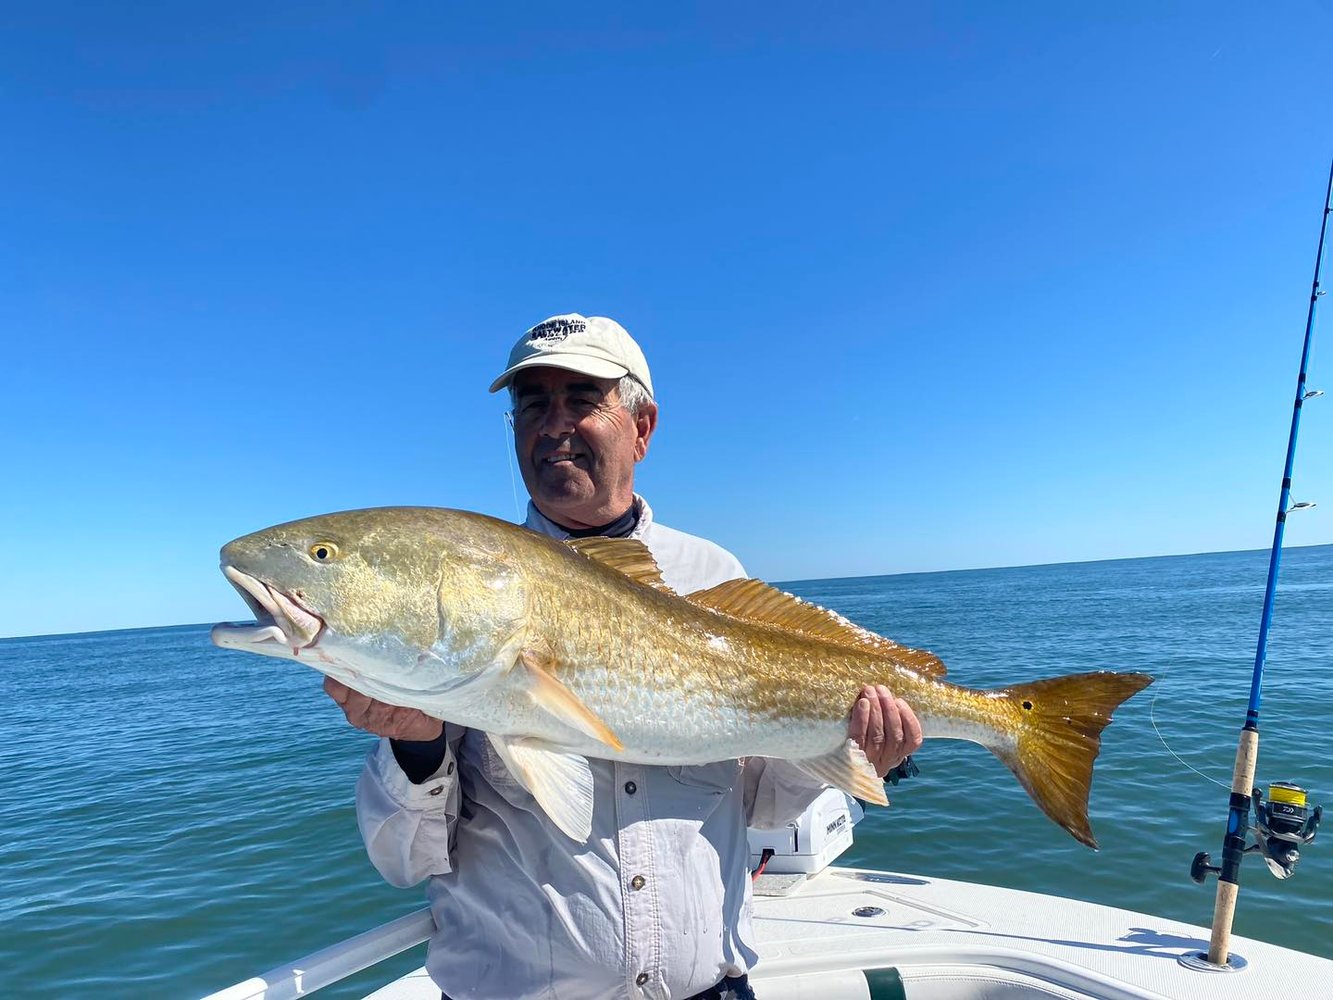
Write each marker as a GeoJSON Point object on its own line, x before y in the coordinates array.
{"type": "Point", "coordinates": [324, 552]}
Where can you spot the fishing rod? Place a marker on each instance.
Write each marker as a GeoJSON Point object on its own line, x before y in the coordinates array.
{"type": "Point", "coordinates": [1285, 822]}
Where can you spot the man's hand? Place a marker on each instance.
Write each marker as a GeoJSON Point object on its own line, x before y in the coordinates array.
{"type": "Point", "coordinates": [381, 719]}
{"type": "Point", "coordinates": [884, 727]}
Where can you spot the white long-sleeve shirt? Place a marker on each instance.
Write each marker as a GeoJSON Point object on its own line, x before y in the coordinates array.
{"type": "Point", "coordinates": [655, 905]}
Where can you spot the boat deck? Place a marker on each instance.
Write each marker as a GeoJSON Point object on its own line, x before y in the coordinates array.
{"type": "Point", "coordinates": [960, 940]}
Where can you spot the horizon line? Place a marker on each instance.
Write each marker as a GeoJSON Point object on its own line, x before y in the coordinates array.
{"type": "Point", "coordinates": [1069, 562]}
{"type": "Point", "coordinates": [815, 579]}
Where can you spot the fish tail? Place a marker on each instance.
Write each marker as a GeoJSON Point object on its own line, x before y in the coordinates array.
{"type": "Point", "coordinates": [1058, 737]}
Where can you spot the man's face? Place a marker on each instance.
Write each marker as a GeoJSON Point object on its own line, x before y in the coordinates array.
{"type": "Point", "coordinates": [577, 445]}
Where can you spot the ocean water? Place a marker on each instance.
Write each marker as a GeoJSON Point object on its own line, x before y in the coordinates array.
{"type": "Point", "coordinates": [177, 817]}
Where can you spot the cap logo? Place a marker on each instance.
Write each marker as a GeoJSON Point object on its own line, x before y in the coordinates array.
{"type": "Point", "coordinates": [555, 330]}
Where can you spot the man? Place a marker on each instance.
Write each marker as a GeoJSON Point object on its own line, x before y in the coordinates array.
{"type": "Point", "coordinates": [656, 903]}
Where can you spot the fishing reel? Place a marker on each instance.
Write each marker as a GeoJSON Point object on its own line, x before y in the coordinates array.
{"type": "Point", "coordinates": [1283, 825]}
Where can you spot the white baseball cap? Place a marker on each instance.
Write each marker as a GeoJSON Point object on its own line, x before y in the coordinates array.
{"type": "Point", "coordinates": [590, 345]}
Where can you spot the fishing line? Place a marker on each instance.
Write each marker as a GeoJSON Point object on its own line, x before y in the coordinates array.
{"type": "Point", "coordinates": [509, 455]}
{"type": "Point", "coordinates": [1152, 717]}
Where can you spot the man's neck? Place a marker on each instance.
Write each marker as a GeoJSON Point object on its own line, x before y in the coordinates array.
{"type": "Point", "coordinates": [617, 527]}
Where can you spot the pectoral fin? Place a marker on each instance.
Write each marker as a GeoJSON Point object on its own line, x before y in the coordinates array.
{"type": "Point", "coordinates": [847, 768]}
{"type": "Point", "coordinates": [560, 782]}
{"type": "Point", "coordinates": [550, 694]}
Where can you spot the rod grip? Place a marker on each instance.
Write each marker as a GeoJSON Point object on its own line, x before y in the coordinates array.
{"type": "Point", "coordinates": [1228, 886]}
{"type": "Point", "coordinates": [1247, 757]}
{"type": "Point", "coordinates": [1224, 910]}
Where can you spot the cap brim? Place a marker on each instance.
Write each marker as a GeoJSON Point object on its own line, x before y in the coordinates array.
{"type": "Point", "coordinates": [581, 363]}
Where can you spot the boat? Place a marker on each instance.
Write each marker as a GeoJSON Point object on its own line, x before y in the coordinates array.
{"type": "Point", "coordinates": [841, 933]}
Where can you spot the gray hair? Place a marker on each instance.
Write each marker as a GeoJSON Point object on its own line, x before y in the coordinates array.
{"type": "Point", "coordinates": [633, 396]}
{"type": "Point", "coordinates": [630, 391]}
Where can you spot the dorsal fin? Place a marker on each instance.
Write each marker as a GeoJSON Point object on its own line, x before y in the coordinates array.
{"type": "Point", "coordinates": [624, 555]}
{"type": "Point", "coordinates": [756, 601]}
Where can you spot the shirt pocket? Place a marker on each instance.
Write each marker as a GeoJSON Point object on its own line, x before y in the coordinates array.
{"type": "Point", "coordinates": [717, 778]}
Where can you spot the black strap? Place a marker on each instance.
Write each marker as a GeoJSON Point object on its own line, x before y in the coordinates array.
{"type": "Point", "coordinates": [731, 988]}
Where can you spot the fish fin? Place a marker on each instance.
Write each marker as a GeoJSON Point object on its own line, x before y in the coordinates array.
{"type": "Point", "coordinates": [550, 694]}
{"type": "Point", "coordinates": [756, 601]}
{"type": "Point", "coordinates": [847, 768]}
{"type": "Point", "coordinates": [624, 555]}
{"type": "Point", "coordinates": [1059, 735]}
{"type": "Point", "coordinates": [561, 782]}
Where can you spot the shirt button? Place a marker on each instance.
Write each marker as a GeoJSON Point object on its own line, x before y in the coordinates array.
{"type": "Point", "coordinates": [436, 790]}
{"type": "Point", "coordinates": [637, 882]}
{"type": "Point", "coordinates": [640, 979]}
{"type": "Point", "coordinates": [630, 788]}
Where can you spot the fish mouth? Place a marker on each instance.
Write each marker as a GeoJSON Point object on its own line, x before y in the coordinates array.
{"type": "Point", "coordinates": [279, 618]}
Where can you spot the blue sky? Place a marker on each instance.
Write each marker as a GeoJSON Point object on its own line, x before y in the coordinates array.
{"type": "Point", "coordinates": [922, 286]}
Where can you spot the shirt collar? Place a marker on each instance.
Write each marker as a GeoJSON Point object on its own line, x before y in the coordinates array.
{"type": "Point", "coordinates": [539, 522]}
